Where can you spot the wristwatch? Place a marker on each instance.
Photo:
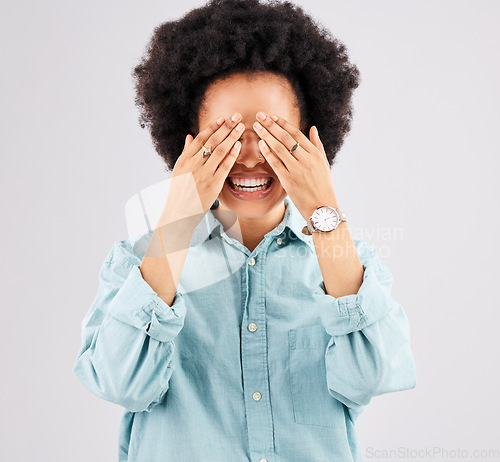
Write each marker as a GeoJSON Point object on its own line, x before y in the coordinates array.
{"type": "Point", "coordinates": [324, 219]}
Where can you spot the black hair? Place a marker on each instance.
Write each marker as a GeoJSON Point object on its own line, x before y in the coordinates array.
{"type": "Point", "coordinates": [226, 36]}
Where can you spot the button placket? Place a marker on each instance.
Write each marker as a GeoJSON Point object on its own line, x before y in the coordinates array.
{"type": "Point", "coordinates": [254, 360]}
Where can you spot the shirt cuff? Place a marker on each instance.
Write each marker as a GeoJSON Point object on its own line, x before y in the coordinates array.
{"type": "Point", "coordinates": [350, 313]}
{"type": "Point", "coordinates": [138, 305]}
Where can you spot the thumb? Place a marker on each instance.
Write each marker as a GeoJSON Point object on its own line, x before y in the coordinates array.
{"type": "Point", "coordinates": [314, 136]}
{"type": "Point", "coordinates": [189, 139]}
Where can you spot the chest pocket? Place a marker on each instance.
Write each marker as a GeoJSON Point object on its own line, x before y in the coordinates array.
{"type": "Point", "coordinates": [312, 403]}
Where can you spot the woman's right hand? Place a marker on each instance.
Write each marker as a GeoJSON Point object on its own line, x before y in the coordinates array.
{"type": "Point", "coordinates": [196, 182]}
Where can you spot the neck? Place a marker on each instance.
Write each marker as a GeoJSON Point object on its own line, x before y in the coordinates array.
{"type": "Point", "coordinates": [250, 231]}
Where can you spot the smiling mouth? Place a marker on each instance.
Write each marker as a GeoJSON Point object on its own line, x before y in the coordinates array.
{"type": "Point", "coordinates": [260, 186]}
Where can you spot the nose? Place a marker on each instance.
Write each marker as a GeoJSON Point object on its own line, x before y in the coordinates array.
{"type": "Point", "coordinates": [250, 155]}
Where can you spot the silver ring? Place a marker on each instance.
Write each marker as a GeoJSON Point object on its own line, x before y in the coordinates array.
{"type": "Point", "coordinates": [206, 151]}
{"type": "Point", "coordinates": [294, 147]}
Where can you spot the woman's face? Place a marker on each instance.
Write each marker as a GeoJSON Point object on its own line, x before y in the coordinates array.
{"type": "Point", "coordinates": [246, 94]}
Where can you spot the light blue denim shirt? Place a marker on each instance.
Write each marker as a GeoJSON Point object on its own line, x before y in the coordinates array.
{"type": "Point", "coordinates": [253, 361]}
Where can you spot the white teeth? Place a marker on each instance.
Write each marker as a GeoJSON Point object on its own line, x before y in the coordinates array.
{"type": "Point", "coordinates": [244, 188]}
{"type": "Point", "coordinates": [256, 184]}
{"type": "Point", "coordinates": [250, 182]}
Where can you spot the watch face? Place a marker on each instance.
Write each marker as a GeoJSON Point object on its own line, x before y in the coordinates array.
{"type": "Point", "coordinates": [325, 219]}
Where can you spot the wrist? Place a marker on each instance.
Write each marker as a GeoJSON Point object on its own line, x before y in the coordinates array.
{"type": "Point", "coordinates": [338, 233]}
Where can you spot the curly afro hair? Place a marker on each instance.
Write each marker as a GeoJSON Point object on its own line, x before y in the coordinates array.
{"type": "Point", "coordinates": [228, 36]}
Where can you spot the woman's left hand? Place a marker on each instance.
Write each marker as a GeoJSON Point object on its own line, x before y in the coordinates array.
{"type": "Point", "coordinates": [305, 173]}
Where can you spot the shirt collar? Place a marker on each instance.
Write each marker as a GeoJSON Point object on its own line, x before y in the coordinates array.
{"type": "Point", "coordinates": [292, 219]}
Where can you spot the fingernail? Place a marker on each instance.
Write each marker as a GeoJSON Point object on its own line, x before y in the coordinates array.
{"type": "Point", "coordinates": [257, 125]}
{"type": "Point", "coordinates": [275, 118]}
{"type": "Point", "coordinates": [261, 116]}
{"type": "Point", "coordinates": [240, 127]}
{"type": "Point", "coordinates": [220, 120]}
{"type": "Point", "coordinates": [236, 116]}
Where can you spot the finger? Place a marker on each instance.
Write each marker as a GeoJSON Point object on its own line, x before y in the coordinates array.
{"type": "Point", "coordinates": [295, 133]}
{"type": "Point", "coordinates": [188, 140]}
{"type": "Point", "coordinates": [202, 137]}
{"type": "Point", "coordinates": [276, 146]}
{"type": "Point", "coordinates": [223, 128]}
{"type": "Point", "coordinates": [283, 136]}
{"type": "Point", "coordinates": [223, 148]}
{"type": "Point", "coordinates": [316, 134]}
{"type": "Point", "coordinates": [274, 161]}
{"type": "Point", "coordinates": [227, 163]}
{"type": "Point", "coordinates": [313, 133]}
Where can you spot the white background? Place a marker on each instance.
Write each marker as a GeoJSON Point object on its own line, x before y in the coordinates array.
{"type": "Point", "coordinates": [417, 177]}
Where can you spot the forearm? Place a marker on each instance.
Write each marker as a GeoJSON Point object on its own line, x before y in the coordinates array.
{"type": "Point", "coordinates": [162, 270]}
{"type": "Point", "coordinates": [338, 260]}
{"type": "Point", "coordinates": [162, 264]}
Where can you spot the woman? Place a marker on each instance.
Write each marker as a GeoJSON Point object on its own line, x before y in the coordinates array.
{"type": "Point", "coordinates": [264, 339]}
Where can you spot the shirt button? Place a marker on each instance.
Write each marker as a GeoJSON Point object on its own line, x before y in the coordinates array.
{"type": "Point", "coordinates": [279, 241]}
{"type": "Point", "coordinates": [263, 460]}
{"type": "Point", "coordinates": [251, 262]}
{"type": "Point", "coordinates": [252, 327]}
{"type": "Point", "coordinates": [256, 396]}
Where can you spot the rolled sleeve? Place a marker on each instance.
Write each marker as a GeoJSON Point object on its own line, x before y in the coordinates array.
{"type": "Point", "coordinates": [137, 304]}
{"type": "Point", "coordinates": [351, 313]}
{"type": "Point", "coordinates": [128, 334]}
{"type": "Point", "coordinates": [369, 353]}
